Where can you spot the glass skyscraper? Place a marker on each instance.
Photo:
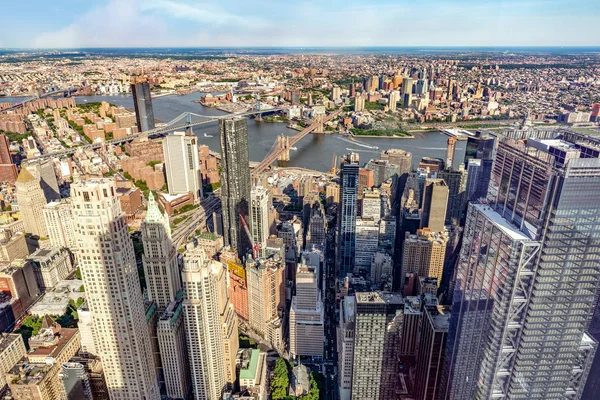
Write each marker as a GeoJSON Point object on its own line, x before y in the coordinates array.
{"type": "Point", "coordinates": [528, 273]}
{"type": "Point", "coordinates": [142, 100]}
{"type": "Point", "coordinates": [235, 183]}
{"type": "Point", "coordinates": [347, 223]}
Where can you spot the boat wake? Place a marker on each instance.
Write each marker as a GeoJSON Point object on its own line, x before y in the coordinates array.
{"type": "Point", "coordinates": [354, 142]}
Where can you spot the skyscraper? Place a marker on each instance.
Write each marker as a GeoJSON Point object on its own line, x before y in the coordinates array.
{"type": "Point", "coordinates": [173, 350]}
{"type": "Point", "coordinates": [181, 164]}
{"type": "Point", "coordinates": [235, 182]}
{"type": "Point", "coordinates": [209, 324]}
{"type": "Point", "coordinates": [528, 274]}
{"type": "Point", "coordinates": [58, 217]}
{"type": "Point", "coordinates": [457, 194]}
{"type": "Point", "coordinates": [44, 172]}
{"type": "Point", "coordinates": [423, 254]}
{"type": "Point", "coordinates": [31, 200]}
{"type": "Point", "coordinates": [306, 315]}
{"type": "Point", "coordinates": [432, 346]}
{"type": "Point", "coordinates": [377, 331]}
{"type": "Point", "coordinates": [266, 298]}
{"type": "Point", "coordinates": [142, 101]}
{"type": "Point", "coordinates": [161, 268]}
{"type": "Point", "coordinates": [435, 202]}
{"type": "Point", "coordinates": [347, 216]}
{"type": "Point", "coordinates": [345, 346]}
{"type": "Point", "coordinates": [407, 87]}
{"type": "Point", "coordinates": [261, 203]}
{"type": "Point", "coordinates": [113, 292]}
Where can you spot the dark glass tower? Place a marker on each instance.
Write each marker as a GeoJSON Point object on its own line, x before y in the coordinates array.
{"type": "Point", "coordinates": [235, 183]}
{"type": "Point", "coordinates": [347, 215]}
{"type": "Point", "coordinates": [142, 100]}
{"type": "Point", "coordinates": [528, 273]}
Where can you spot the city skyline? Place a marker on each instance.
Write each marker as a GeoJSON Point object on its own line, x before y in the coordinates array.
{"type": "Point", "coordinates": [231, 23]}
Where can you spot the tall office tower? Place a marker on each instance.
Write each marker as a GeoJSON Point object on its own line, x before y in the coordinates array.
{"type": "Point", "coordinates": [411, 323]}
{"type": "Point", "coordinates": [181, 164]}
{"type": "Point", "coordinates": [142, 101]}
{"type": "Point", "coordinates": [31, 200]}
{"type": "Point", "coordinates": [347, 218]}
{"type": "Point", "coordinates": [317, 229]}
{"type": "Point", "coordinates": [76, 381]}
{"type": "Point", "coordinates": [378, 327]}
{"type": "Point", "coordinates": [173, 350]}
{"type": "Point", "coordinates": [260, 201]}
{"type": "Point", "coordinates": [479, 156]}
{"type": "Point", "coordinates": [352, 89]}
{"type": "Point", "coordinates": [44, 171]}
{"type": "Point", "coordinates": [435, 202]}
{"type": "Point", "coordinates": [423, 253]}
{"type": "Point", "coordinates": [238, 289]}
{"type": "Point", "coordinates": [432, 346]}
{"type": "Point", "coordinates": [528, 273]}
{"type": "Point", "coordinates": [371, 205]}
{"type": "Point", "coordinates": [481, 146]}
{"type": "Point", "coordinates": [209, 324]}
{"type": "Point", "coordinates": [393, 100]}
{"type": "Point", "coordinates": [161, 268]}
{"type": "Point", "coordinates": [366, 243]}
{"type": "Point", "coordinates": [266, 298]}
{"type": "Point", "coordinates": [450, 152]}
{"type": "Point", "coordinates": [58, 216]}
{"type": "Point", "coordinates": [345, 346]}
{"type": "Point", "coordinates": [235, 182]}
{"type": "Point", "coordinates": [108, 267]}
{"type": "Point", "coordinates": [407, 86]}
{"type": "Point", "coordinates": [8, 169]}
{"type": "Point", "coordinates": [422, 87]}
{"type": "Point", "coordinates": [399, 157]}
{"type": "Point", "coordinates": [457, 194]}
{"type": "Point", "coordinates": [307, 315]}
{"type": "Point", "coordinates": [359, 103]}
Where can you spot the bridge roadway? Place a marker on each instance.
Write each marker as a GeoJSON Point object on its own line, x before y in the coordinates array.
{"type": "Point", "coordinates": [208, 206]}
{"type": "Point", "coordinates": [168, 127]}
{"type": "Point", "coordinates": [275, 152]}
{"type": "Point", "coordinates": [30, 99]}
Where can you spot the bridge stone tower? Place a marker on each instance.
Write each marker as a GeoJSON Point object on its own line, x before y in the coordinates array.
{"type": "Point", "coordinates": [318, 119]}
{"type": "Point", "coordinates": [283, 144]}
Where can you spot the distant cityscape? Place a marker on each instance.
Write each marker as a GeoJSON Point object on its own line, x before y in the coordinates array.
{"type": "Point", "coordinates": [151, 258]}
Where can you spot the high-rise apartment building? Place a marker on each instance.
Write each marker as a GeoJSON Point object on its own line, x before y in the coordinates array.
{"type": "Point", "coordinates": [393, 100]}
{"type": "Point", "coordinates": [31, 200]}
{"type": "Point", "coordinates": [235, 182]}
{"type": "Point", "coordinates": [108, 267]}
{"type": "Point", "coordinates": [457, 194]}
{"type": "Point", "coordinates": [377, 333]}
{"type": "Point", "coordinates": [435, 202]}
{"type": "Point", "coordinates": [238, 289]}
{"type": "Point", "coordinates": [8, 169]}
{"type": "Point", "coordinates": [399, 157]}
{"type": "Point", "coordinates": [260, 203]}
{"type": "Point", "coordinates": [12, 348]}
{"type": "Point", "coordinates": [181, 164]}
{"type": "Point", "coordinates": [432, 347]}
{"type": "Point", "coordinates": [423, 253]}
{"type": "Point", "coordinates": [526, 283]}
{"type": "Point", "coordinates": [161, 268]}
{"type": "Point", "coordinates": [371, 205]}
{"type": "Point", "coordinates": [366, 243]}
{"type": "Point", "coordinates": [173, 350]}
{"type": "Point", "coordinates": [307, 315]}
{"type": "Point", "coordinates": [210, 325]}
{"type": "Point", "coordinates": [347, 215]}
{"type": "Point", "coordinates": [58, 216]}
{"type": "Point", "coordinates": [142, 101]}
{"type": "Point", "coordinates": [345, 346]}
{"type": "Point", "coordinates": [44, 172]}
{"type": "Point", "coordinates": [266, 298]}
{"type": "Point", "coordinates": [407, 86]}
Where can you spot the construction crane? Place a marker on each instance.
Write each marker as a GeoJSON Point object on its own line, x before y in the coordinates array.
{"type": "Point", "coordinates": [255, 247]}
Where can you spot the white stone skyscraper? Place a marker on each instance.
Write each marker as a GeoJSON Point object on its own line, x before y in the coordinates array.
{"type": "Point", "coordinates": [260, 202]}
{"type": "Point", "coordinates": [58, 216]}
{"type": "Point", "coordinates": [161, 268]}
{"type": "Point", "coordinates": [31, 200]}
{"type": "Point", "coordinates": [108, 267]}
{"type": "Point", "coordinates": [181, 164]}
{"type": "Point", "coordinates": [210, 325]}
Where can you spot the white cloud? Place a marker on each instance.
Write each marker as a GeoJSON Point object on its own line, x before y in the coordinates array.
{"type": "Point", "coordinates": [118, 23]}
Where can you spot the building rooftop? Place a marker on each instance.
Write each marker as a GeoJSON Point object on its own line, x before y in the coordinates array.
{"type": "Point", "coordinates": [500, 222]}
{"type": "Point", "coordinates": [440, 316]}
{"type": "Point", "coordinates": [379, 298]}
{"type": "Point", "coordinates": [250, 371]}
{"type": "Point", "coordinates": [7, 340]}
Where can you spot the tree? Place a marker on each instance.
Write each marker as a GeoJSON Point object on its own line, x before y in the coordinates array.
{"type": "Point", "coordinates": [281, 380]}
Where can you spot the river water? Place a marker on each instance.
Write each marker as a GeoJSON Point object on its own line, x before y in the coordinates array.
{"type": "Point", "coordinates": [315, 151]}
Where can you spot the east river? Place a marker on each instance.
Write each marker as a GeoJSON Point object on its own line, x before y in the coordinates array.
{"type": "Point", "coordinates": [313, 152]}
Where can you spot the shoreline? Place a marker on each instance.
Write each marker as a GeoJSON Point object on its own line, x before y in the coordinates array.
{"type": "Point", "coordinates": [383, 137]}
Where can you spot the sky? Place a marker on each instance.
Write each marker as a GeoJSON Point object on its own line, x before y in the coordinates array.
{"type": "Point", "coordinates": [244, 23]}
